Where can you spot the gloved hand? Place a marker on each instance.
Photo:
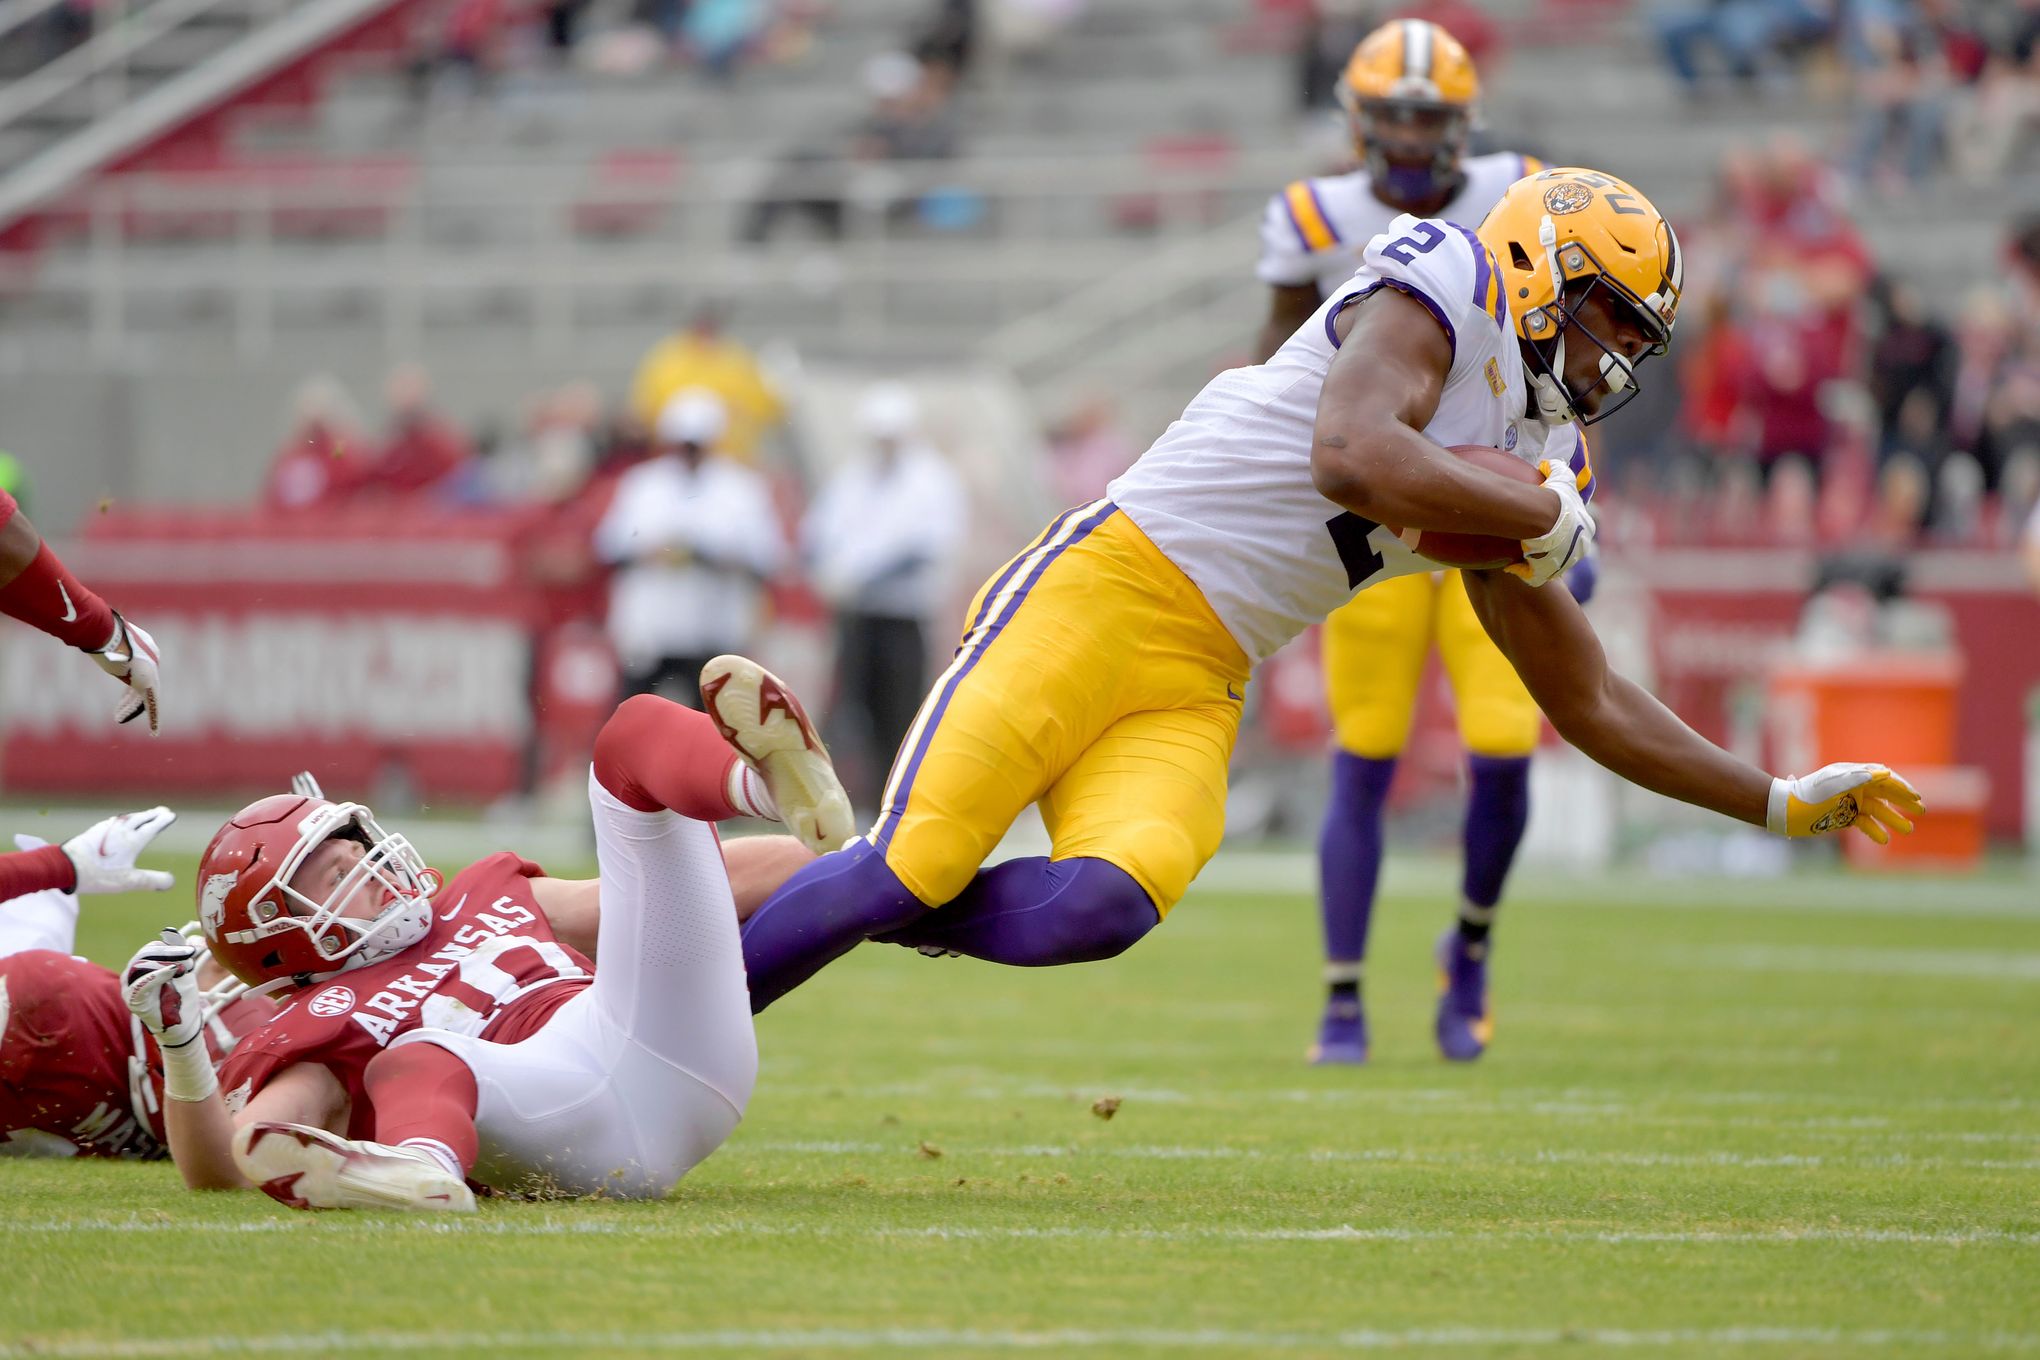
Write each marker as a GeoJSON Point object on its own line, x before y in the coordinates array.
{"type": "Point", "coordinates": [105, 853]}
{"type": "Point", "coordinates": [160, 985]}
{"type": "Point", "coordinates": [1868, 797]}
{"type": "Point", "coordinates": [1546, 557]}
{"type": "Point", "coordinates": [130, 656]}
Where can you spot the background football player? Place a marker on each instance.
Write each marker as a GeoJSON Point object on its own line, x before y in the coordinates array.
{"type": "Point", "coordinates": [1101, 672]}
{"type": "Point", "coordinates": [433, 1033]}
{"type": "Point", "coordinates": [1411, 95]}
{"type": "Point", "coordinates": [78, 1075]}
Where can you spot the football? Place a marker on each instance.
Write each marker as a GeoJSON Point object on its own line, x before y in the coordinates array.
{"type": "Point", "coordinates": [1474, 550]}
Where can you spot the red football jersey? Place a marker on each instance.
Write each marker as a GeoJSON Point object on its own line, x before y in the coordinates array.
{"type": "Point", "coordinates": [490, 967]}
{"type": "Point", "coordinates": [76, 1066]}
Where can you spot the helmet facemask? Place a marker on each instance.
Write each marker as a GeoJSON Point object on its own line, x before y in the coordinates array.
{"type": "Point", "coordinates": [389, 870]}
{"type": "Point", "coordinates": [1550, 326]}
{"type": "Point", "coordinates": [1413, 147]}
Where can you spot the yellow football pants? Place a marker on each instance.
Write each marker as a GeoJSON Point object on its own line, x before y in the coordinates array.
{"type": "Point", "coordinates": [1374, 651]}
{"type": "Point", "coordinates": [1093, 679]}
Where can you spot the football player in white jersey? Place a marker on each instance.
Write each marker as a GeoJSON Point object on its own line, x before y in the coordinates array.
{"type": "Point", "coordinates": [1411, 95]}
{"type": "Point", "coordinates": [1102, 670]}
{"type": "Point", "coordinates": [1411, 92]}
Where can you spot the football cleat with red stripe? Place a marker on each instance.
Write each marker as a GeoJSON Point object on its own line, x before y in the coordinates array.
{"type": "Point", "coordinates": [308, 1168]}
{"type": "Point", "coordinates": [758, 715]}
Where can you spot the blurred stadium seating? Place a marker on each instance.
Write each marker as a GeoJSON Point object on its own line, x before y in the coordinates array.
{"type": "Point", "coordinates": [209, 201]}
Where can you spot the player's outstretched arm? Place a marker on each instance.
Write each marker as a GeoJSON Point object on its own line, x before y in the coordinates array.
{"type": "Point", "coordinates": [1547, 638]}
{"type": "Point", "coordinates": [38, 589]}
{"type": "Point", "coordinates": [1368, 453]}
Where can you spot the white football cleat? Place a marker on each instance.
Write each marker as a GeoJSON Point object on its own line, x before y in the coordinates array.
{"type": "Point", "coordinates": [758, 714]}
{"type": "Point", "coordinates": [308, 1168]}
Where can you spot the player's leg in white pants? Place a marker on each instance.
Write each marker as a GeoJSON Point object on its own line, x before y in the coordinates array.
{"type": "Point", "coordinates": [632, 1083]}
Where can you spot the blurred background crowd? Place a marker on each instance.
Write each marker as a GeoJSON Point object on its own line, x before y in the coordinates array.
{"type": "Point", "coordinates": [901, 277]}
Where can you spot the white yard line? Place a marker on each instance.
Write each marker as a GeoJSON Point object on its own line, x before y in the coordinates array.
{"type": "Point", "coordinates": [1993, 964]}
{"type": "Point", "coordinates": [1591, 1101]}
{"type": "Point", "coordinates": [1412, 1156]}
{"type": "Point", "coordinates": [696, 1230]}
{"type": "Point", "coordinates": [1570, 1339]}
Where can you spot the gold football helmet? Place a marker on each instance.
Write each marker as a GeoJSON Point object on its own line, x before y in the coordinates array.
{"type": "Point", "coordinates": [1410, 93]}
{"type": "Point", "coordinates": [1559, 235]}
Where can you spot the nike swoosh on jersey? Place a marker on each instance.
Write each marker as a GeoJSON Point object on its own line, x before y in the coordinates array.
{"type": "Point", "coordinates": [70, 610]}
{"type": "Point", "coordinates": [454, 910]}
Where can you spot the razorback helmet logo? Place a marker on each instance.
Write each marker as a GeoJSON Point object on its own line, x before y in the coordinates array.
{"type": "Point", "coordinates": [212, 900]}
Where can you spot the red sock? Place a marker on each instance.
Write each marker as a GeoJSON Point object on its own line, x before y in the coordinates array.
{"type": "Point", "coordinates": [653, 753]}
{"type": "Point", "coordinates": [47, 596]}
{"type": "Point", "coordinates": [423, 1094]}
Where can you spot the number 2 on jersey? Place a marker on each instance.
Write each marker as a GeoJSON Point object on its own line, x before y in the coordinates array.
{"type": "Point", "coordinates": [1423, 241]}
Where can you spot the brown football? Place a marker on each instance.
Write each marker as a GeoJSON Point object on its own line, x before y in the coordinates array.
{"type": "Point", "coordinates": [1475, 550]}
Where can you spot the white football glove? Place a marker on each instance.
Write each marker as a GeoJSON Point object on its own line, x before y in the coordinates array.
{"type": "Point", "coordinates": [160, 986]}
{"type": "Point", "coordinates": [131, 657]}
{"type": "Point", "coordinates": [1546, 558]}
{"type": "Point", "coordinates": [1868, 797]}
{"type": "Point", "coordinates": [105, 853]}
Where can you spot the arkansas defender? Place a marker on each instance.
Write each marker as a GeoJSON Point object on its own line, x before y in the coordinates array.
{"type": "Point", "coordinates": [38, 589]}
{"type": "Point", "coordinates": [445, 1030]}
{"type": "Point", "coordinates": [78, 1074]}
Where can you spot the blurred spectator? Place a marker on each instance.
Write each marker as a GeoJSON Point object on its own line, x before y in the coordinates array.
{"type": "Point", "coordinates": [1901, 503]}
{"type": "Point", "coordinates": [879, 541]}
{"type": "Point", "coordinates": [718, 33]}
{"type": "Point", "coordinates": [951, 36]}
{"type": "Point", "coordinates": [554, 455]}
{"type": "Point", "coordinates": [1088, 450]}
{"type": "Point", "coordinates": [912, 118]}
{"type": "Point", "coordinates": [563, 26]}
{"type": "Point", "coordinates": [1899, 77]}
{"type": "Point", "coordinates": [467, 45]}
{"type": "Point", "coordinates": [693, 537]}
{"type": "Point", "coordinates": [1742, 34]}
{"type": "Point", "coordinates": [1995, 411]}
{"type": "Point", "coordinates": [701, 356]}
{"type": "Point", "coordinates": [321, 461]}
{"type": "Point", "coordinates": [1912, 363]}
{"type": "Point", "coordinates": [1997, 118]}
{"type": "Point", "coordinates": [422, 448]}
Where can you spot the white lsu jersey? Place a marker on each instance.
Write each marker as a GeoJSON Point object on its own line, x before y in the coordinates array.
{"type": "Point", "coordinates": [1315, 230]}
{"type": "Point", "coordinates": [1226, 492]}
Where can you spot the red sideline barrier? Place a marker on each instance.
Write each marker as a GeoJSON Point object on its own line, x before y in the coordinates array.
{"type": "Point", "coordinates": [383, 644]}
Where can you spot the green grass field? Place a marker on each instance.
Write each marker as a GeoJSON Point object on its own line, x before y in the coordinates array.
{"type": "Point", "coordinates": [1795, 1118]}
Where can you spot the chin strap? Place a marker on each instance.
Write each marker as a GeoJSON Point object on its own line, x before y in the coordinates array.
{"type": "Point", "coordinates": [1554, 403]}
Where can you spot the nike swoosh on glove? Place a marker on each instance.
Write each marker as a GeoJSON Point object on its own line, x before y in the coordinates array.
{"type": "Point", "coordinates": [105, 853]}
{"type": "Point", "coordinates": [1870, 798]}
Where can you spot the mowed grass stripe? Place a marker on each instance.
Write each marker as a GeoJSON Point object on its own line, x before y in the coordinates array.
{"type": "Point", "coordinates": [1063, 1339]}
{"type": "Point", "coordinates": [682, 1230]}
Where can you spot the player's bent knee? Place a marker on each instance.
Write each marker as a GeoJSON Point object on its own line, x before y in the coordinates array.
{"type": "Point", "coordinates": [1107, 911]}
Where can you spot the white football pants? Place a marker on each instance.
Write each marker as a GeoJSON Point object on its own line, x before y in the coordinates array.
{"type": "Point", "coordinates": [645, 1073]}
